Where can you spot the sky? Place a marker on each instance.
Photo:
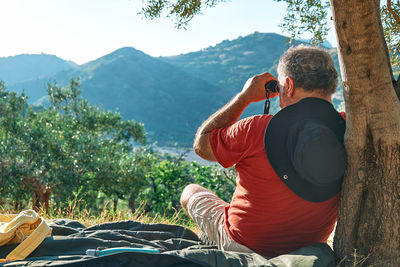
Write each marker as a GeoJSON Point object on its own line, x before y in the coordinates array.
{"type": "Point", "coordinates": [83, 30]}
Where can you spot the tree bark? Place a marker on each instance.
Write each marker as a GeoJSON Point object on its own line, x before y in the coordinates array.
{"type": "Point", "coordinates": [115, 203]}
{"type": "Point", "coordinates": [132, 201]}
{"type": "Point", "coordinates": [369, 213]}
{"type": "Point", "coordinates": [41, 197]}
{"type": "Point", "coordinates": [397, 87]}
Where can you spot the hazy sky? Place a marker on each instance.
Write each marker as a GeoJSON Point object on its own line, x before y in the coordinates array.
{"type": "Point", "coordinates": [83, 30]}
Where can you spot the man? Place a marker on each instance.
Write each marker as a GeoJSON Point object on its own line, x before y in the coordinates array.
{"type": "Point", "coordinates": [290, 166]}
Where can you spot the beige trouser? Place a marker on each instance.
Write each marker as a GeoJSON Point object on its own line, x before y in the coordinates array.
{"type": "Point", "coordinates": [207, 210]}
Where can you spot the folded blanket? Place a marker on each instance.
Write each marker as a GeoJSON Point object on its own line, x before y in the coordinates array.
{"type": "Point", "coordinates": [178, 246]}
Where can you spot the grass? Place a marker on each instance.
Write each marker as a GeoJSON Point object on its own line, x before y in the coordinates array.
{"type": "Point", "coordinates": [88, 217]}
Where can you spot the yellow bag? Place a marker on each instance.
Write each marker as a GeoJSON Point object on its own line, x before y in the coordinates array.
{"type": "Point", "coordinates": [26, 228]}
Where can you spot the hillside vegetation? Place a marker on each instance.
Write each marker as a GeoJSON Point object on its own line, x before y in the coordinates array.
{"type": "Point", "coordinates": [76, 155]}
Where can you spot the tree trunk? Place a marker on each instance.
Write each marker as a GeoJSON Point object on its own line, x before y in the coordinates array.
{"type": "Point", "coordinates": [132, 201]}
{"type": "Point", "coordinates": [115, 203]}
{"type": "Point", "coordinates": [41, 197]}
{"type": "Point", "coordinates": [369, 213]}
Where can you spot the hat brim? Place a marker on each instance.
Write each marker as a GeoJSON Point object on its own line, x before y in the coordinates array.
{"type": "Point", "coordinates": [276, 135]}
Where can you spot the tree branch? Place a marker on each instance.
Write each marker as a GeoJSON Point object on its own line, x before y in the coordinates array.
{"type": "Point", "coordinates": [229, 178]}
{"type": "Point", "coordinates": [392, 13]}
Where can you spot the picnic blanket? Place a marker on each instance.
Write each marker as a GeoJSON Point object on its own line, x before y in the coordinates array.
{"type": "Point", "coordinates": [178, 246]}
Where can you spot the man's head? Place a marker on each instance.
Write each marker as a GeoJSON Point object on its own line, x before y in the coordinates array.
{"type": "Point", "coordinates": [305, 71]}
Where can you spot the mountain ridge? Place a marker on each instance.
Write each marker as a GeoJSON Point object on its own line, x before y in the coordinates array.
{"type": "Point", "coordinates": [26, 67]}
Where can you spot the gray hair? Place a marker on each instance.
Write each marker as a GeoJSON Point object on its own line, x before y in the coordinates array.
{"type": "Point", "coordinates": [311, 68]}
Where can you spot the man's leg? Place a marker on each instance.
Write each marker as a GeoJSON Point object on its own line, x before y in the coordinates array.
{"type": "Point", "coordinates": [189, 191]}
{"type": "Point", "coordinates": [208, 211]}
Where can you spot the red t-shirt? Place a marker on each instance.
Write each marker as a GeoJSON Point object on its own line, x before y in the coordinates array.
{"type": "Point", "coordinates": [264, 214]}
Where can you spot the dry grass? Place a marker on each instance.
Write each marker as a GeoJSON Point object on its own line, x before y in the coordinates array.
{"type": "Point", "coordinates": [89, 218]}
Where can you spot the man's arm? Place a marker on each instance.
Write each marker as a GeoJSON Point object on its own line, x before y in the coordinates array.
{"type": "Point", "coordinates": [253, 91]}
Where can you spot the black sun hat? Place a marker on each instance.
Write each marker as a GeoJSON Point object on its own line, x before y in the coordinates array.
{"type": "Point", "coordinates": [304, 144]}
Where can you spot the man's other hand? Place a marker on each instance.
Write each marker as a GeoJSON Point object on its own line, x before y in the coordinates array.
{"type": "Point", "coordinates": [254, 88]}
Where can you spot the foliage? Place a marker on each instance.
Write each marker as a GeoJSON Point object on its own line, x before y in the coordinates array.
{"type": "Point", "coordinates": [310, 16]}
{"type": "Point", "coordinates": [168, 176]}
{"type": "Point", "coordinates": [391, 30]}
{"type": "Point", "coordinates": [182, 10]}
{"type": "Point", "coordinates": [306, 16]}
{"type": "Point", "coordinates": [74, 155]}
{"type": "Point", "coordinates": [69, 148]}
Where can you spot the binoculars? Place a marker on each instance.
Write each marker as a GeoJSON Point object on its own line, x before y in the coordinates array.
{"type": "Point", "coordinates": [272, 86]}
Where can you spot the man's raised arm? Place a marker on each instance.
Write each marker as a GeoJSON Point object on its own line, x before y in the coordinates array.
{"type": "Point", "coordinates": [253, 91]}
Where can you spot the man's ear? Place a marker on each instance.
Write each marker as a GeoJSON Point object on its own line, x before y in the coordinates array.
{"type": "Point", "coordinates": [290, 87]}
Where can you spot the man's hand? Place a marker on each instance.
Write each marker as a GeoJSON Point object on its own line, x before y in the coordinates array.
{"type": "Point", "coordinates": [254, 90]}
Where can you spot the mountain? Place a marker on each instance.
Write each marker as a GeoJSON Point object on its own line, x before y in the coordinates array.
{"type": "Point", "coordinates": [27, 67]}
{"type": "Point", "coordinates": [325, 44]}
{"type": "Point", "coordinates": [170, 102]}
{"type": "Point", "coordinates": [230, 63]}
{"type": "Point", "coordinates": [173, 95]}
{"type": "Point", "coordinates": [233, 62]}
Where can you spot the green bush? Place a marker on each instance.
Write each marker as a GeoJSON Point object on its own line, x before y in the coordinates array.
{"type": "Point", "coordinates": [66, 148]}
{"type": "Point", "coordinates": [167, 179]}
{"type": "Point", "coordinates": [72, 152]}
